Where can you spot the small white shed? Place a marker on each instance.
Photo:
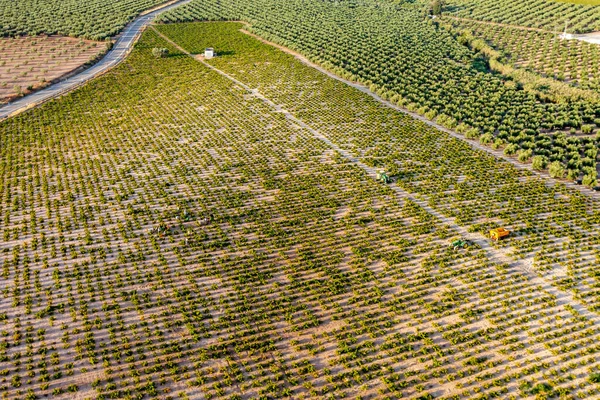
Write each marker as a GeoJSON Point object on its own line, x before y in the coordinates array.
{"type": "Point", "coordinates": [209, 53]}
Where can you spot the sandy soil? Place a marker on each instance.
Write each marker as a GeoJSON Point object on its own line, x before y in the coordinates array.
{"type": "Point", "coordinates": [29, 63]}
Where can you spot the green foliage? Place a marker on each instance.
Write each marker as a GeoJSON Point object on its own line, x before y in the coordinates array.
{"type": "Point", "coordinates": [556, 170]}
{"type": "Point", "coordinates": [539, 162]}
{"type": "Point", "coordinates": [486, 138]}
{"type": "Point", "coordinates": [587, 129]}
{"type": "Point", "coordinates": [285, 269]}
{"type": "Point", "coordinates": [542, 64]}
{"type": "Point", "coordinates": [436, 7]}
{"type": "Point", "coordinates": [524, 155]}
{"type": "Point", "coordinates": [91, 19]}
{"type": "Point", "coordinates": [427, 69]}
{"type": "Point", "coordinates": [547, 15]}
{"type": "Point", "coordinates": [511, 149]}
{"type": "Point", "coordinates": [541, 387]}
{"type": "Point", "coordinates": [472, 133]}
{"type": "Point", "coordinates": [589, 180]}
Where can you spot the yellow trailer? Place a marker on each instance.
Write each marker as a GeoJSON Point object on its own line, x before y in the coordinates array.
{"type": "Point", "coordinates": [499, 233]}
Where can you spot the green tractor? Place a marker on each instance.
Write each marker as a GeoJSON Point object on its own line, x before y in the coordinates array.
{"type": "Point", "coordinates": [460, 244]}
{"type": "Point", "coordinates": [383, 177]}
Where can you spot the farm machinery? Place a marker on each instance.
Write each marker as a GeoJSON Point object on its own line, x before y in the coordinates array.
{"type": "Point", "coordinates": [460, 244]}
{"type": "Point", "coordinates": [161, 230]}
{"type": "Point", "coordinates": [498, 233]}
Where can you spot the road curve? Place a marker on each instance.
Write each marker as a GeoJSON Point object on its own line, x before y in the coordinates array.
{"type": "Point", "coordinates": [117, 54]}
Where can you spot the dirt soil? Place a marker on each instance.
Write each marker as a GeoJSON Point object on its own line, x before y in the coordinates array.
{"type": "Point", "coordinates": [30, 63]}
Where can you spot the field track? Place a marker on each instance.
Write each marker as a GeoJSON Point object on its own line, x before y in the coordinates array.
{"type": "Point", "coordinates": [473, 143]}
{"type": "Point", "coordinates": [117, 54]}
{"type": "Point", "coordinates": [130, 35]}
{"type": "Point", "coordinates": [498, 256]}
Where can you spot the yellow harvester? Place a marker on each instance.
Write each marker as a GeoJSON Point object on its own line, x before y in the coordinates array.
{"type": "Point", "coordinates": [499, 233]}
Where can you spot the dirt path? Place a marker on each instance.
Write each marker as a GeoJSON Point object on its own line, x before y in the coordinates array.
{"type": "Point", "coordinates": [592, 37]}
{"type": "Point", "coordinates": [495, 255]}
{"type": "Point", "coordinates": [474, 144]}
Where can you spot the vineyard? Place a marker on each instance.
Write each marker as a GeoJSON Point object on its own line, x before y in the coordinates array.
{"type": "Point", "coordinates": [91, 19]}
{"type": "Point", "coordinates": [28, 63]}
{"type": "Point", "coordinates": [410, 61]}
{"type": "Point", "coordinates": [550, 15]}
{"type": "Point", "coordinates": [170, 234]}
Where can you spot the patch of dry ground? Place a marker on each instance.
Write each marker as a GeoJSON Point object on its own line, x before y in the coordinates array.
{"type": "Point", "coordinates": [29, 63]}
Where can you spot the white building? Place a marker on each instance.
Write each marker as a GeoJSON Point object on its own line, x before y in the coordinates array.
{"type": "Point", "coordinates": [209, 53]}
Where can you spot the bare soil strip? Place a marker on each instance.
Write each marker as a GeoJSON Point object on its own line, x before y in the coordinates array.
{"type": "Point", "coordinates": [31, 63]}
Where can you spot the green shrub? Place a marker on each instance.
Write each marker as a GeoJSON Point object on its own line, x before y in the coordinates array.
{"type": "Point", "coordinates": [539, 163]}
{"type": "Point", "coordinates": [472, 133]}
{"type": "Point", "coordinates": [511, 149]}
{"type": "Point", "coordinates": [556, 170]}
{"type": "Point", "coordinates": [524, 155]}
{"type": "Point", "coordinates": [573, 173]}
{"type": "Point", "coordinates": [587, 129]}
{"type": "Point", "coordinates": [486, 139]}
{"type": "Point", "coordinates": [497, 143]}
{"type": "Point", "coordinates": [589, 180]}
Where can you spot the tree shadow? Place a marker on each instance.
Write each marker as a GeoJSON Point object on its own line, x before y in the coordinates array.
{"type": "Point", "coordinates": [225, 53]}
{"type": "Point", "coordinates": [454, 8]}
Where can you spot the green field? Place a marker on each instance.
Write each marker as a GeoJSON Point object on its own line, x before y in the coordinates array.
{"type": "Point", "coordinates": [90, 19]}
{"type": "Point", "coordinates": [280, 267]}
{"type": "Point", "coordinates": [549, 15]}
{"type": "Point", "coordinates": [572, 61]}
{"type": "Point", "coordinates": [400, 54]}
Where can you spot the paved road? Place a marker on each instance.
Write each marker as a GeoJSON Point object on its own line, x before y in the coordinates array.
{"type": "Point", "coordinates": [117, 54]}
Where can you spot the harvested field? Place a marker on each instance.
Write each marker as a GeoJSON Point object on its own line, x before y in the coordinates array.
{"type": "Point", "coordinates": [29, 63]}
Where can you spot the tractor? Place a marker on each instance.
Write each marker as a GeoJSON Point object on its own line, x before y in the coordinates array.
{"type": "Point", "coordinates": [383, 177]}
{"type": "Point", "coordinates": [460, 244]}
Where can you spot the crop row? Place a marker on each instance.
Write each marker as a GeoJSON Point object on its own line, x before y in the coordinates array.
{"type": "Point", "coordinates": [548, 15]}
{"type": "Point", "coordinates": [573, 61]}
{"type": "Point", "coordinates": [556, 231]}
{"type": "Point", "coordinates": [479, 192]}
{"type": "Point", "coordinates": [167, 233]}
{"type": "Point", "coordinates": [92, 19]}
{"type": "Point", "coordinates": [413, 63]}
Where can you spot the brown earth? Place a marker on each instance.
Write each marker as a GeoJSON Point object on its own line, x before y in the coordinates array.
{"type": "Point", "coordinates": [30, 63]}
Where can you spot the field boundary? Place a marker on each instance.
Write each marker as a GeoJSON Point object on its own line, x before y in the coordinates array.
{"type": "Point", "coordinates": [119, 52]}
{"type": "Point", "coordinates": [474, 144]}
